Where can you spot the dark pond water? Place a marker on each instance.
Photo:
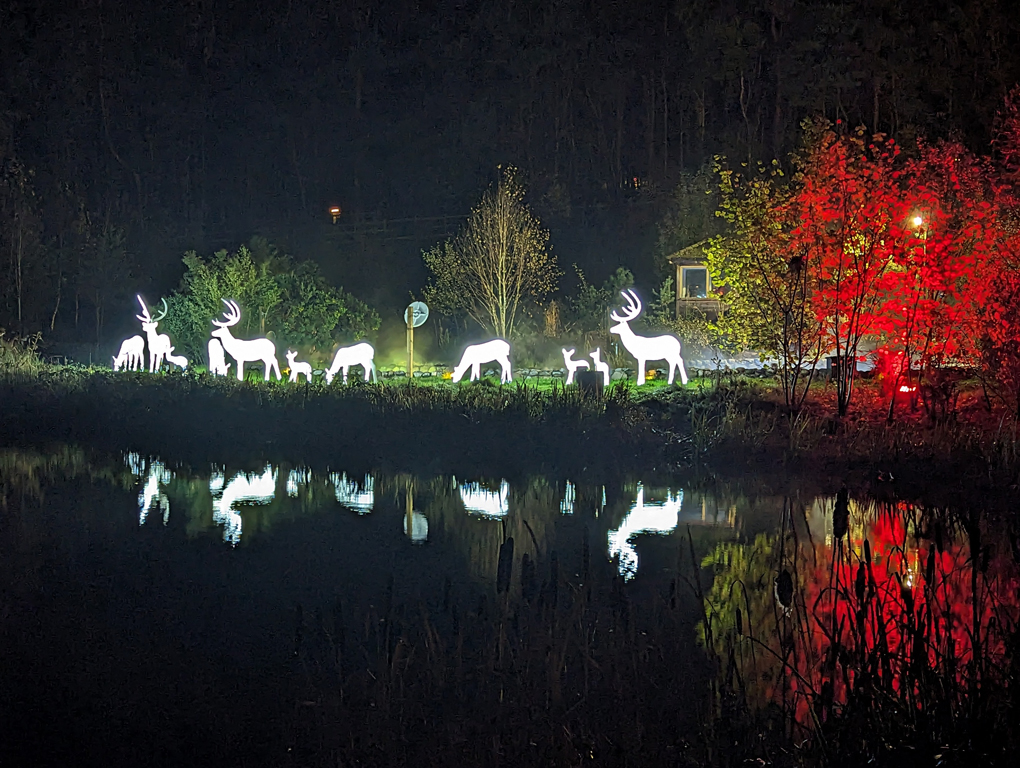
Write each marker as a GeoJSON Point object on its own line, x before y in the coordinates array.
{"type": "Point", "coordinates": [153, 613]}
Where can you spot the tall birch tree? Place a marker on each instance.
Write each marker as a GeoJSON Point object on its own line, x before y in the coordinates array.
{"type": "Point", "coordinates": [498, 262]}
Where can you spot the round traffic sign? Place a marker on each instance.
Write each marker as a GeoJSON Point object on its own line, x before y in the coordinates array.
{"type": "Point", "coordinates": [420, 310]}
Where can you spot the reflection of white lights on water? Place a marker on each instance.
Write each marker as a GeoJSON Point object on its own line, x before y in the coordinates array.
{"type": "Point", "coordinates": [419, 527]}
{"type": "Point", "coordinates": [360, 498]}
{"type": "Point", "coordinates": [297, 478]}
{"type": "Point", "coordinates": [151, 496]}
{"type": "Point", "coordinates": [651, 517]}
{"type": "Point", "coordinates": [243, 487]}
{"type": "Point", "coordinates": [480, 501]}
{"type": "Point", "coordinates": [569, 496]}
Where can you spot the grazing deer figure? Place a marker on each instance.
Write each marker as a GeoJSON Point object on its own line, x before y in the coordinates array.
{"type": "Point", "coordinates": [646, 348]}
{"type": "Point", "coordinates": [179, 360]}
{"type": "Point", "coordinates": [572, 365]}
{"type": "Point", "coordinates": [218, 366]}
{"type": "Point", "coordinates": [296, 368]}
{"type": "Point", "coordinates": [601, 366]}
{"type": "Point", "coordinates": [159, 343]}
{"type": "Point", "coordinates": [362, 354]}
{"type": "Point", "coordinates": [497, 351]}
{"type": "Point", "coordinates": [245, 350]}
{"type": "Point", "coordinates": [131, 355]}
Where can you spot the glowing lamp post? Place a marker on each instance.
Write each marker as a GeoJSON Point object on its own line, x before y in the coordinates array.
{"type": "Point", "coordinates": [334, 211]}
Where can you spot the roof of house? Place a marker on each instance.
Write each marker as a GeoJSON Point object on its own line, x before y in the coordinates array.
{"type": "Point", "coordinates": [692, 254]}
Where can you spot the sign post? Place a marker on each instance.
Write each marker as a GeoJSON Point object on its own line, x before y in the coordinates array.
{"type": "Point", "coordinates": [415, 314]}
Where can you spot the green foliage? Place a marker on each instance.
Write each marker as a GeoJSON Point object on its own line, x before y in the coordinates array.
{"type": "Point", "coordinates": [291, 302]}
{"type": "Point", "coordinates": [19, 355]}
{"type": "Point", "coordinates": [588, 308]}
{"type": "Point", "coordinates": [497, 265]}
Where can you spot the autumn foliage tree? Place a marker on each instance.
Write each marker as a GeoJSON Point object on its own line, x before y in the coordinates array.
{"type": "Point", "coordinates": [498, 262]}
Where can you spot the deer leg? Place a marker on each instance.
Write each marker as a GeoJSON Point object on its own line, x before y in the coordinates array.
{"type": "Point", "coordinates": [240, 370]}
{"type": "Point", "coordinates": [640, 372]}
{"type": "Point", "coordinates": [683, 370]}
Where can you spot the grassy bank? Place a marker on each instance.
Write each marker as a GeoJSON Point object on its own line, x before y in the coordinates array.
{"type": "Point", "coordinates": [726, 428]}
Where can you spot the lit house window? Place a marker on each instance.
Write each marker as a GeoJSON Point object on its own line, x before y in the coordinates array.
{"type": "Point", "coordinates": [694, 283]}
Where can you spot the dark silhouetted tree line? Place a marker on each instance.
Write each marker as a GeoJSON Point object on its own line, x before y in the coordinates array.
{"type": "Point", "coordinates": [130, 134]}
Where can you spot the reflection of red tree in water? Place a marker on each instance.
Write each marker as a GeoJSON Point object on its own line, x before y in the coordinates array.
{"type": "Point", "coordinates": [885, 616]}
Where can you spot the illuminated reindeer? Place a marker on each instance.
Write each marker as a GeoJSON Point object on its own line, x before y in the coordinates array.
{"type": "Point", "coordinates": [131, 355]}
{"type": "Point", "coordinates": [179, 360]}
{"type": "Point", "coordinates": [497, 351]}
{"type": "Point", "coordinates": [362, 354]}
{"type": "Point", "coordinates": [159, 343]}
{"type": "Point", "coordinates": [600, 365]}
{"type": "Point", "coordinates": [245, 350]}
{"type": "Point", "coordinates": [646, 348]}
{"type": "Point", "coordinates": [572, 365]}
{"type": "Point", "coordinates": [218, 366]}
{"type": "Point", "coordinates": [296, 368]}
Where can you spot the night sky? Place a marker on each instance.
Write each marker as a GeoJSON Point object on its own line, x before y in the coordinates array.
{"type": "Point", "coordinates": [194, 125]}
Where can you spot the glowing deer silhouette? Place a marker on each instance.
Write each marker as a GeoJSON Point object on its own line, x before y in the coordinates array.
{"type": "Point", "coordinates": [601, 366]}
{"type": "Point", "coordinates": [245, 350]}
{"type": "Point", "coordinates": [645, 348]}
{"type": "Point", "coordinates": [159, 343]}
{"type": "Point", "coordinates": [131, 355]}
{"type": "Point", "coordinates": [179, 360]}
{"type": "Point", "coordinates": [218, 365]}
{"type": "Point", "coordinates": [362, 354]}
{"type": "Point", "coordinates": [296, 368]}
{"type": "Point", "coordinates": [497, 351]}
{"type": "Point", "coordinates": [572, 365]}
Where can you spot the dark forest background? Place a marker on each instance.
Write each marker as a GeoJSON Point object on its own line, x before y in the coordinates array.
{"type": "Point", "coordinates": [131, 133]}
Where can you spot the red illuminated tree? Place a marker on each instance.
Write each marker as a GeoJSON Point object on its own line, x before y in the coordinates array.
{"type": "Point", "coordinates": [851, 222]}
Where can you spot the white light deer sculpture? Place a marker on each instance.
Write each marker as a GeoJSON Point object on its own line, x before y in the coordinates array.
{"type": "Point", "coordinates": [297, 368]}
{"type": "Point", "coordinates": [572, 365]}
{"type": "Point", "coordinates": [495, 351]}
{"type": "Point", "coordinates": [218, 365]}
{"type": "Point", "coordinates": [245, 350]}
{"type": "Point", "coordinates": [131, 355]}
{"type": "Point", "coordinates": [362, 354]}
{"type": "Point", "coordinates": [601, 366]}
{"type": "Point", "coordinates": [159, 343]}
{"type": "Point", "coordinates": [645, 348]}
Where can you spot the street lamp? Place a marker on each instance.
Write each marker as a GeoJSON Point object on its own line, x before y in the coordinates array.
{"type": "Point", "coordinates": [334, 211]}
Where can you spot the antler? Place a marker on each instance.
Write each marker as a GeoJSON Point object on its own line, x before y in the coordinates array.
{"type": "Point", "coordinates": [633, 307]}
{"type": "Point", "coordinates": [146, 318]}
{"type": "Point", "coordinates": [157, 319]}
{"type": "Point", "coordinates": [231, 317]}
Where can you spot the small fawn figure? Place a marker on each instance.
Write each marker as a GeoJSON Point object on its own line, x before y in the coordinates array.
{"type": "Point", "coordinates": [296, 368]}
{"type": "Point", "coordinates": [179, 360]}
{"type": "Point", "coordinates": [572, 365]}
{"type": "Point", "coordinates": [601, 366]}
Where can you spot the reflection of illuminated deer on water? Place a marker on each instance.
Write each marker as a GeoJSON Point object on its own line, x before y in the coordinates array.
{"type": "Point", "coordinates": [159, 343]}
{"type": "Point", "coordinates": [650, 517]}
{"type": "Point", "coordinates": [646, 348]}
{"type": "Point", "coordinates": [243, 487]}
{"type": "Point", "coordinates": [131, 355]}
{"type": "Point", "coordinates": [495, 351]}
{"type": "Point", "coordinates": [245, 350]}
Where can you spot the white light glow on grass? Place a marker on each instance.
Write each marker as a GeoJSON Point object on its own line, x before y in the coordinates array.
{"type": "Point", "coordinates": [569, 497]}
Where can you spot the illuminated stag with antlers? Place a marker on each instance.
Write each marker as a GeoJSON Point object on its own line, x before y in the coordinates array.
{"type": "Point", "coordinates": [646, 348]}
{"type": "Point", "coordinates": [245, 350]}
